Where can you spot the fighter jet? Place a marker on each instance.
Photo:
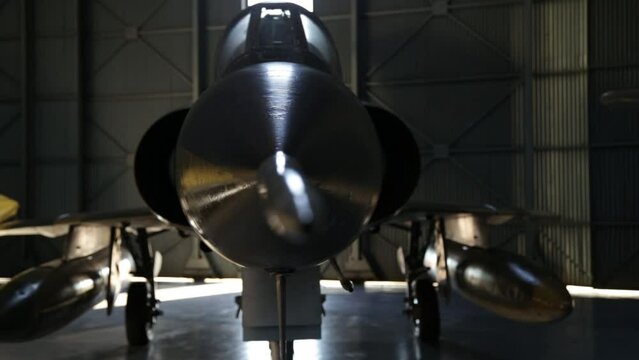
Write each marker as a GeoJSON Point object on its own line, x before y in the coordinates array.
{"type": "Point", "coordinates": [278, 167]}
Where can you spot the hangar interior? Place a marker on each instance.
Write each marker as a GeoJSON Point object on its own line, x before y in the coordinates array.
{"type": "Point", "coordinates": [503, 97]}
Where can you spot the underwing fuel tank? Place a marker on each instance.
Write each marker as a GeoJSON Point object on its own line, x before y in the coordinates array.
{"type": "Point", "coordinates": [43, 299]}
{"type": "Point", "coordinates": [504, 283]}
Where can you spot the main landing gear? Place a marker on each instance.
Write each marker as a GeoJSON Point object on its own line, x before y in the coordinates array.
{"type": "Point", "coordinates": [424, 311]}
{"type": "Point", "coordinates": [422, 304]}
{"type": "Point", "coordinates": [140, 314]}
{"type": "Point", "coordinates": [142, 308]}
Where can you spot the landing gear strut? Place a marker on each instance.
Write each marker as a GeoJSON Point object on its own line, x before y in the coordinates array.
{"type": "Point", "coordinates": [425, 311]}
{"type": "Point", "coordinates": [276, 352]}
{"type": "Point", "coordinates": [139, 314]}
{"type": "Point", "coordinates": [421, 303]}
{"type": "Point", "coordinates": [142, 308]}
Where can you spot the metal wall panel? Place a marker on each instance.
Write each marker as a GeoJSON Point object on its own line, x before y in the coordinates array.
{"type": "Point", "coordinates": [449, 70]}
{"type": "Point", "coordinates": [559, 137]}
{"type": "Point", "coordinates": [10, 82]}
{"type": "Point", "coordinates": [448, 80]}
{"type": "Point", "coordinates": [614, 136]}
{"type": "Point", "coordinates": [54, 137]}
{"type": "Point", "coordinates": [11, 128]}
{"type": "Point", "coordinates": [139, 70]}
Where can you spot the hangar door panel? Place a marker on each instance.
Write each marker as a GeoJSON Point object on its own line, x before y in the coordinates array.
{"type": "Point", "coordinates": [450, 71]}
{"type": "Point", "coordinates": [614, 64]}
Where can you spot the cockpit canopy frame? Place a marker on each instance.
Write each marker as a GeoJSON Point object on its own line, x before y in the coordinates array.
{"type": "Point", "coordinates": [277, 32]}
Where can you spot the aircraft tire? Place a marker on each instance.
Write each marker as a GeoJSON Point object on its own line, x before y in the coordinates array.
{"type": "Point", "coordinates": [139, 315]}
{"type": "Point", "coordinates": [426, 312]}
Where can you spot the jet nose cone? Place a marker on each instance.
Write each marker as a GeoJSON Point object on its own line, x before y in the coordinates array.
{"type": "Point", "coordinates": [282, 180]}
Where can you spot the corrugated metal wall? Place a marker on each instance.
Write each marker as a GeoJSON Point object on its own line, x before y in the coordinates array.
{"type": "Point", "coordinates": [560, 135]}
{"type": "Point", "coordinates": [10, 117]}
{"type": "Point", "coordinates": [465, 94]}
{"type": "Point", "coordinates": [40, 143]}
{"type": "Point", "coordinates": [10, 89]}
{"type": "Point", "coordinates": [469, 75]}
{"type": "Point", "coordinates": [614, 137]}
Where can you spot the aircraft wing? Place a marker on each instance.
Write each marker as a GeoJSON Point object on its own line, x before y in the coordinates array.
{"type": "Point", "coordinates": [420, 211]}
{"type": "Point", "coordinates": [133, 219]}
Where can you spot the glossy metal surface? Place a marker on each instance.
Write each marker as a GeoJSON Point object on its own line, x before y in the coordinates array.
{"type": "Point", "coordinates": [85, 240]}
{"type": "Point", "coordinates": [46, 298]}
{"type": "Point", "coordinates": [467, 229]}
{"type": "Point", "coordinates": [249, 117]}
{"type": "Point", "coordinates": [504, 283]}
{"type": "Point", "coordinates": [292, 204]}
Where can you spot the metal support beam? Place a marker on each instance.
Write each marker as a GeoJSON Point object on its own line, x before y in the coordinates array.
{"type": "Point", "coordinates": [445, 81]}
{"type": "Point", "coordinates": [167, 61]}
{"type": "Point", "coordinates": [529, 186]}
{"type": "Point", "coordinates": [27, 105]}
{"type": "Point", "coordinates": [80, 100]}
{"type": "Point", "coordinates": [480, 38]}
{"type": "Point", "coordinates": [196, 49]}
{"type": "Point", "coordinates": [482, 4]}
{"type": "Point", "coordinates": [473, 124]}
{"type": "Point", "coordinates": [498, 199]}
{"type": "Point", "coordinates": [399, 48]}
{"type": "Point", "coordinates": [7, 125]}
{"type": "Point", "coordinates": [354, 42]}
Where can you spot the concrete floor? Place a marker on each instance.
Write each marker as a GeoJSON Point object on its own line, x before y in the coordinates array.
{"type": "Point", "coordinates": [363, 325]}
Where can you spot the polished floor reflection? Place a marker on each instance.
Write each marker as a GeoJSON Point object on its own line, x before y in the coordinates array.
{"type": "Point", "coordinates": [364, 325]}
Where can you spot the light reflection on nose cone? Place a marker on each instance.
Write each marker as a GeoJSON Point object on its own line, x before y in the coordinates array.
{"type": "Point", "coordinates": [317, 169]}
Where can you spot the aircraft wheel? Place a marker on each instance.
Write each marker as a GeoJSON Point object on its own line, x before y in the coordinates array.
{"type": "Point", "coordinates": [139, 315]}
{"type": "Point", "coordinates": [275, 350]}
{"type": "Point", "coordinates": [426, 311]}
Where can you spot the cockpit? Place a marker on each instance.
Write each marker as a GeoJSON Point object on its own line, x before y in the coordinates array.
{"type": "Point", "coordinates": [276, 32]}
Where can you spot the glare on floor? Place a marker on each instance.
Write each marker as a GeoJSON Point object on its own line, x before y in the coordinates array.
{"type": "Point", "coordinates": [219, 287]}
{"type": "Point", "coordinates": [590, 292]}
